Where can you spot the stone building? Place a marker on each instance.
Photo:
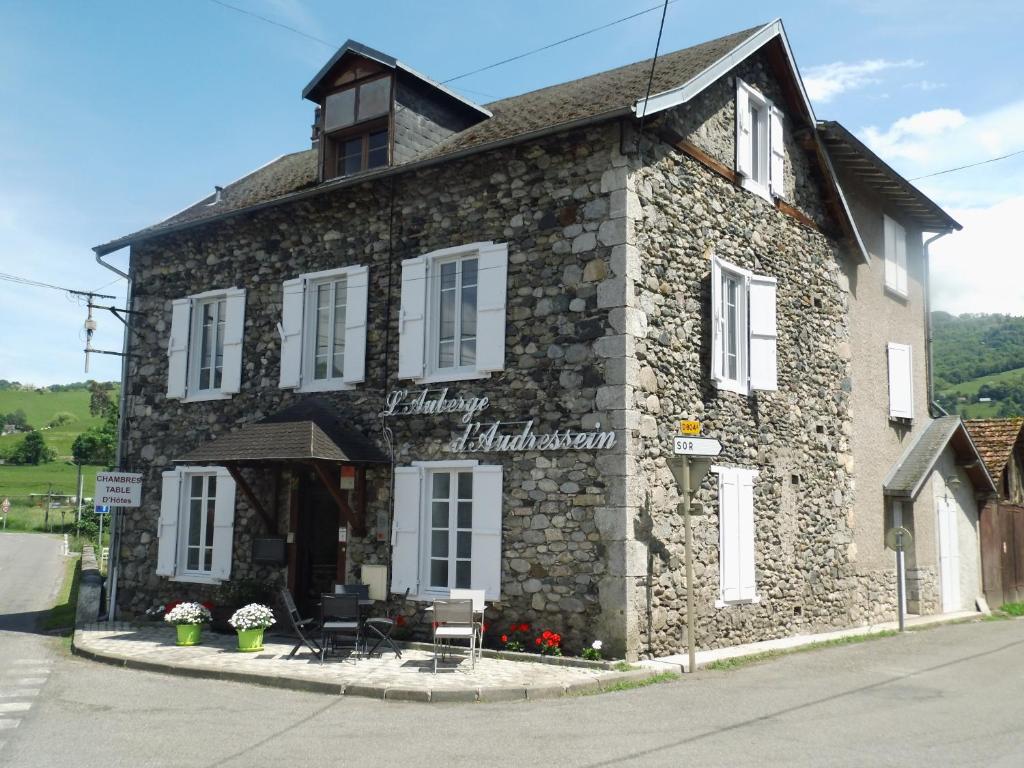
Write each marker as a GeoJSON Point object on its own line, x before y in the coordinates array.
{"type": "Point", "coordinates": [452, 344]}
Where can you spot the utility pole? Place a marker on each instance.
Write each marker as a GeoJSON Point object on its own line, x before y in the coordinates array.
{"type": "Point", "coordinates": [78, 518]}
{"type": "Point", "coordinates": [46, 514]}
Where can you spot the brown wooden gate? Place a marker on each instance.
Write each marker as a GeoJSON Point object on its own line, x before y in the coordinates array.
{"type": "Point", "coordinates": [1002, 553]}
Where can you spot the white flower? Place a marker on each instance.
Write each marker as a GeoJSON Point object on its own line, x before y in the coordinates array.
{"type": "Point", "coordinates": [596, 645]}
{"type": "Point", "coordinates": [188, 613]}
{"type": "Point", "coordinates": [252, 616]}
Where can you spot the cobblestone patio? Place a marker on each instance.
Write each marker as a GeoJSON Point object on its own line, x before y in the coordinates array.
{"type": "Point", "coordinates": [409, 678]}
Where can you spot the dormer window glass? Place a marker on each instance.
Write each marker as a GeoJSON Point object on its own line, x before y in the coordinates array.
{"type": "Point", "coordinates": [356, 127]}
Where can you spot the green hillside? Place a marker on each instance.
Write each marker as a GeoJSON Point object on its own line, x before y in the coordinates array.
{"type": "Point", "coordinates": [979, 356]}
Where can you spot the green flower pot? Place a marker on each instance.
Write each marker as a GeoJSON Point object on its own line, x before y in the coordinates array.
{"type": "Point", "coordinates": [188, 634]}
{"type": "Point", "coordinates": [250, 640]}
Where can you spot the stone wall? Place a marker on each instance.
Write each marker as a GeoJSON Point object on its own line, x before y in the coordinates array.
{"type": "Point", "coordinates": [550, 201]}
{"type": "Point", "coordinates": [797, 437]}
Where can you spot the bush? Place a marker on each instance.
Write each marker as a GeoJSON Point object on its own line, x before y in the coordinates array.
{"type": "Point", "coordinates": [61, 418]}
{"type": "Point", "coordinates": [32, 450]}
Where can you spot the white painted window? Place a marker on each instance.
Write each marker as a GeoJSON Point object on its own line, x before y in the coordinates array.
{"type": "Point", "coordinates": [196, 529]}
{"type": "Point", "coordinates": [323, 329]}
{"type": "Point", "coordinates": [901, 381]}
{"type": "Point", "coordinates": [447, 528]}
{"type": "Point", "coordinates": [895, 247]}
{"type": "Point", "coordinates": [204, 353]}
{"type": "Point", "coordinates": [760, 145]}
{"type": "Point", "coordinates": [737, 581]}
{"type": "Point", "coordinates": [452, 322]}
{"type": "Point", "coordinates": [744, 355]}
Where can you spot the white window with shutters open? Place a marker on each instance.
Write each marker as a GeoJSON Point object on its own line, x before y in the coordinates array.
{"type": "Point", "coordinates": [901, 381]}
{"type": "Point", "coordinates": [895, 247]}
{"type": "Point", "coordinates": [452, 320]}
{"type": "Point", "coordinates": [204, 352]}
{"type": "Point", "coordinates": [196, 530]}
{"type": "Point", "coordinates": [760, 145]}
{"type": "Point", "coordinates": [447, 529]}
{"type": "Point", "coordinates": [737, 580]}
{"type": "Point", "coordinates": [323, 330]}
{"type": "Point", "coordinates": [744, 332]}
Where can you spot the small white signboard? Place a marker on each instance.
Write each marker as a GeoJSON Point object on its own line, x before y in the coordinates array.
{"type": "Point", "coordinates": [696, 446]}
{"type": "Point", "coordinates": [118, 489]}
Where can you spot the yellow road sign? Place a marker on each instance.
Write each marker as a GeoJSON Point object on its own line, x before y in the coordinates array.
{"type": "Point", "coordinates": [689, 427]}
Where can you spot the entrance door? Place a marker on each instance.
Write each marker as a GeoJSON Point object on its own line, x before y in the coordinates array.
{"type": "Point", "coordinates": [316, 544]}
{"type": "Point", "coordinates": [949, 554]}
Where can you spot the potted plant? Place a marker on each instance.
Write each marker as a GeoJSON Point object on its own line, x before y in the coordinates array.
{"type": "Point", "coordinates": [249, 622]}
{"type": "Point", "coordinates": [188, 618]}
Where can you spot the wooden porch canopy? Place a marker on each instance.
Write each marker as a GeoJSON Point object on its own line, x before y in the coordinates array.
{"type": "Point", "coordinates": [310, 433]}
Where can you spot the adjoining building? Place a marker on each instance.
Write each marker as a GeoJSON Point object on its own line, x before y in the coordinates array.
{"type": "Point", "coordinates": [452, 343]}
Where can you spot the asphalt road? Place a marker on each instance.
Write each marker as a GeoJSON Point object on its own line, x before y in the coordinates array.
{"type": "Point", "coordinates": [949, 696]}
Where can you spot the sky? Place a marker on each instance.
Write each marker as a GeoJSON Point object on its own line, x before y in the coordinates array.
{"type": "Point", "coordinates": [116, 114]}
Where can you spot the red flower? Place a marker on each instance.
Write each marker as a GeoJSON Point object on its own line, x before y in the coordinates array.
{"type": "Point", "coordinates": [551, 642]}
{"type": "Point", "coordinates": [546, 634]}
{"type": "Point", "coordinates": [514, 628]}
{"type": "Point", "coordinates": [504, 638]}
{"type": "Point", "coordinates": [537, 641]}
{"type": "Point", "coordinates": [557, 639]}
{"type": "Point", "coordinates": [524, 627]}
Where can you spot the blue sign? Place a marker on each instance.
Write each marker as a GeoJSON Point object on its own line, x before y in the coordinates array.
{"type": "Point", "coordinates": [102, 510]}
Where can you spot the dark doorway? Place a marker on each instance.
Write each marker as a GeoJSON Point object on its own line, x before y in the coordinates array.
{"type": "Point", "coordinates": [316, 544]}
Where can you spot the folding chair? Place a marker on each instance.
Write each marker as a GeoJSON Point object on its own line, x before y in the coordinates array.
{"type": "Point", "coordinates": [453, 620]}
{"type": "Point", "coordinates": [339, 616]}
{"type": "Point", "coordinates": [477, 596]}
{"type": "Point", "coordinates": [299, 624]}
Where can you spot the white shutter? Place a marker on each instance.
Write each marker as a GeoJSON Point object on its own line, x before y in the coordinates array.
{"type": "Point", "coordinates": [745, 528]}
{"type": "Point", "coordinates": [894, 245]}
{"type": "Point", "coordinates": [412, 319]}
{"type": "Point", "coordinates": [177, 348]}
{"type": "Point", "coordinates": [744, 156]}
{"type": "Point", "coordinates": [492, 282]}
{"type": "Point", "coordinates": [901, 381]}
{"type": "Point", "coordinates": [167, 531]}
{"type": "Point", "coordinates": [234, 333]}
{"type": "Point", "coordinates": [763, 334]}
{"type": "Point", "coordinates": [716, 320]}
{"type": "Point", "coordinates": [487, 516]}
{"type": "Point", "coordinates": [223, 525]}
{"type": "Point", "coordinates": [777, 178]}
{"type": "Point", "coordinates": [405, 532]}
{"type": "Point", "coordinates": [728, 534]}
{"type": "Point", "coordinates": [358, 291]}
{"type": "Point", "coordinates": [293, 296]}
{"type": "Point", "coordinates": [901, 260]}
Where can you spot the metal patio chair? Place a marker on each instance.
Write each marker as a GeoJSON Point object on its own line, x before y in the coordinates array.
{"type": "Point", "coordinates": [381, 628]}
{"type": "Point", "coordinates": [453, 620]}
{"type": "Point", "coordinates": [479, 606]}
{"type": "Point", "coordinates": [300, 626]}
{"type": "Point", "coordinates": [339, 617]}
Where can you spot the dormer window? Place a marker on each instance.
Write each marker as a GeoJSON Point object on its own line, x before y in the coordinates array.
{"type": "Point", "coordinates": [356, 127]}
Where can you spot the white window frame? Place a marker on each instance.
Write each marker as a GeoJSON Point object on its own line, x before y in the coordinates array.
{"type": "Point", "coordinates": [184, 517]}
{"type": "Point", "coordinates": [754, 598]}
{"type": "Point", "coordinates": [195, 345]}
{"type": "Point", "coordinates": [312, 281]}
{"type": "Point", "coordinates": [435, 263]}
{"type": "Point", "coordinates": [426, 526]}
{"type": "Point", "coordinates": [760, 146]}
{"type": "Point", "coordinates": [894, 247]}
{"type": "Point", "coordinates": [740, 384]}
{"type": "Point", "coordinates": [759, 182]}
{"type": "Point", "coordinates": [222, 550]}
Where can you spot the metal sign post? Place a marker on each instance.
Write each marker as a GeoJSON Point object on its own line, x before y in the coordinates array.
{"type": "Point", "coordinates": [5, 507]}
{"type": "Point", "coordinates": [689, 472]}
{"type": "Point", "coordinates": [897, 539]}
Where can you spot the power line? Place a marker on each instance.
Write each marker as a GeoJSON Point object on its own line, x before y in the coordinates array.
{"type": "Point", "coordinates": [18, 280]}
{"type": "Point", "coordinates": [275, 23]}
{"type": "Point", "coordinates": [563, 40]}
{"type": "Point", "coordinates": [650, 79]}
{"type": "Point", "coordinates": [969, 165]}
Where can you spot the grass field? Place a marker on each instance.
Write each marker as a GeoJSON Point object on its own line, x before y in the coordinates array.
{"type": "Point", "coordinates": [969, 389]}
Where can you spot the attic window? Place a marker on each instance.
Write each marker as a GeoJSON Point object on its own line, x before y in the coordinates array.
{"type": "Point", "coordinates": [356, 127]}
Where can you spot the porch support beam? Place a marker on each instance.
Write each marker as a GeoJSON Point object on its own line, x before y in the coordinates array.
{"type": "Point", "coordinates": [323, 472]}
{"type": "Point", "coordinates": [236, 475]}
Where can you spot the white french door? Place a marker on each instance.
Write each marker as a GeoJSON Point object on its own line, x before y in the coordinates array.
{"type": "Point", "coordinates": [949, 554]}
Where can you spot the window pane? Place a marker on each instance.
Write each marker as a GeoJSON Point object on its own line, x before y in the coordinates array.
{"type": "Point", "coordinates": [196, 484]}
{"type": "Point", "coordinates": [730, 346]}
{"type": "Point", "coordinates": [378, 153]}
{"type": "Point", "coordinates": [207, 331]}
{"type": "Point", "coordinates": [340, 109]}
{"type": "Point", "coordinates": [439, 514]}
{"type": "Point", "coordinates": [210, 509]}
{"type": "Point", "coordinates": [755, 142]}
{"type": "Point", "coordinates": [350, 159]}
{"type": "Point", "coordinates": [463, 574]}
{"type": "Point", "coordinates": [439, 544]}
{"type": "Point", "coordinates": [465, 514]}
{"type": "Point", "coordinates": [468, 310]}
{"type": "Point", "coordinates": [322, 331]}
{"type": "Point", "coordinates": [439, 573]}
{"type": "Point", "coordinates": [195, 521]}
{"type": "Point", "coordinates": [211, 485]}
{"type": "Point", "coordinates": [441, 485]}
{"type": "Point", "coordinates": [338, 354]}
{"type": "Point", "coordinates": [465, 485]}
{"type": "Point", "coordinates": [218, 344]}
{"type": "Point", "coordinates": [374, 98]}
{"type": "Point", "coordinates": [446, 354]}
{"type": "Point", "coordinates": [193, 559]}
{"type": "Point", "coordinates": [208, 561]}
{"type": "Point", "coordinates": [464, 542]}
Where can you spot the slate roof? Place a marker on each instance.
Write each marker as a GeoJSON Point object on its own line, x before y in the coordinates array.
{"type": "Point", "coordinates": [911, 471]}
{"type": "Point", "coordinates": [601, 96]}
{"type": "Point", "coordinates": [308, 430]}
{"type": "Point", "coordinates": [995, 439]}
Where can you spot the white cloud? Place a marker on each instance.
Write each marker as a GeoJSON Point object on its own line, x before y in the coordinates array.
{"type": "Point", "coordinates": [981, 269]}
{"type": "Point", "coordinates": [825, 82]}
{"type": "Point", "coordinates": [910, 138]}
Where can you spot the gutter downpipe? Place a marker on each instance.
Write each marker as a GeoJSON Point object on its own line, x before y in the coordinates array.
{"type": "Point", "coordinates": [115, 522]}
{"type": "Point", "coordinates": [934, 408]}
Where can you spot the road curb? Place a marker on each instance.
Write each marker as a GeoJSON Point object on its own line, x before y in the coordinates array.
{"type": "Point", "coordinates": [381, 692]}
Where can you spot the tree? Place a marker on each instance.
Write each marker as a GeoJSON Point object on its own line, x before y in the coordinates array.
{"type": "Point", "coordinates": [19, 420]}
{"type": "Point", "coordinates": [32, 450]}
{"type": "Point", "coordinates": [95, 446]}
{"type": "Point", "coordinates": [100, 402]}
